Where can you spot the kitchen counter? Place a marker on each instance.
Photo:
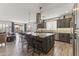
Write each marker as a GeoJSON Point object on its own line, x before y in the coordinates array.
{"type": "Point", "coordinates": [45, 40]}
{"type": "Point", "coordinates": [43, 35]}
{"type": "Point", "coordinates": [40, 34]}
{"type": "Point", "coordinates": [58, 30]}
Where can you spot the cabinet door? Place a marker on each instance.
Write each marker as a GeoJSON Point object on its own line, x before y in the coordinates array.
{"type": "Point", "coordinates": [52, 41]}
{"type": "Point", "coordinates": [68, 23]}
{"type": "Point", "coordinates": [48, 39]}
{"type": "Point", "coordinates": [63, 23]}
{"type": "Point", "coordinates": [58, 23]}
{"type": "Point", "coordinates": [64, 37]}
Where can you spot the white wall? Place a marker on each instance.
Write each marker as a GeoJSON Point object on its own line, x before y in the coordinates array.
{"type": "Point", "coordinates": [77, 26]}
{"type": "Point", "coordinates": [31, 27]}
{"type": "Point", "coordinates": [51, 25]}
{"type": "Point", "coordinates": [77, 17]}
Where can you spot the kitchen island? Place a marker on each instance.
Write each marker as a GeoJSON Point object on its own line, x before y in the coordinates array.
{"type": "Point", "coordinates": [45, 41]}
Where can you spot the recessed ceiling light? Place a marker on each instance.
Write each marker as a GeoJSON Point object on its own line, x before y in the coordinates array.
{"type": "Point", "coordinates": [67, 11]}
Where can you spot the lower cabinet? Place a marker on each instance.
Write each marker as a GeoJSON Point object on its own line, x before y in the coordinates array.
{"type": "Point", "coordinates": [48, 43]}
{"type": "Point", "coordinates": [64, 37]}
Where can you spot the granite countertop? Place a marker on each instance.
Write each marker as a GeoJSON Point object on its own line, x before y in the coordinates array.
{"type": "Point", "coordinates": [28, 32]}
{"type": "Point", "coordinates": [43, 35]}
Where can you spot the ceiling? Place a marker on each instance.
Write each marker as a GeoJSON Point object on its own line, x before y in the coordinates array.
{"type": "Point", "coordinates": [56, 10]}
{"type": "Point", "coordinates": [26, 12]}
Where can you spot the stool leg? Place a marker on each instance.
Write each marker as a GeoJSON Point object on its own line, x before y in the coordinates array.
{"type": "Point", "coordinates": [33, 52]}
{"type": "Point", "coordinates": [39, 53]}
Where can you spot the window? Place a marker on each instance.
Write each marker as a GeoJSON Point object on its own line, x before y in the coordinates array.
{"type": "Point", "coordinates": [5, 27]}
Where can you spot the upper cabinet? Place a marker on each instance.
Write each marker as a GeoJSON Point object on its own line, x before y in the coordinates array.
{"type": "Point", "coordinates": [64, 23]}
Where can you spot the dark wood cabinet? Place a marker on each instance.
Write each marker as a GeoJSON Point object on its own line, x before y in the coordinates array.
{"type": "Point", "coordinates": [64, 37]}
{"type": "Point", "coordinates": [42, 43]}
{"type": "Point", "coordinates": [64, 23]}
{"type": "Point", "coordinates": [48, 43]}
{"type": "Point", "coordinates": [41, 25]}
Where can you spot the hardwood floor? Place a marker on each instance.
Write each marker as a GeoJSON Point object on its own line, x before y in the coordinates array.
{"type": "Point", "coordinates": [63, 49]}
{"type": "Point", "coordinates": [16, 49]}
